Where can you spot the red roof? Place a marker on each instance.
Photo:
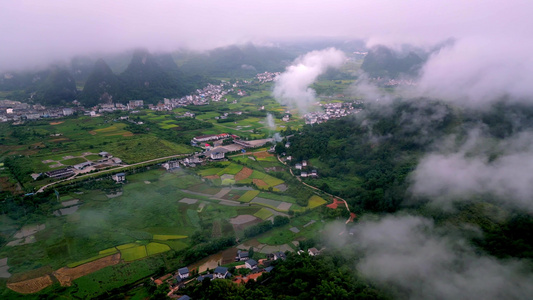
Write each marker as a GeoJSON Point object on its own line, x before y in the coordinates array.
{"type": "Point", "coordinates": [245, 279]}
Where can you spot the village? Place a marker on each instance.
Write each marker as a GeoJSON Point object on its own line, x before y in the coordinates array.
{"type": "Point", "coordinates": [329, 111]}
{"type": "Point", "coordinates": [18, 112]}
{"type": "Point", "coordinates": [244, 269]}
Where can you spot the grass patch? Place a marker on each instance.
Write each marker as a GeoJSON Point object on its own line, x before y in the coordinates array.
{"type": "Point", "coordinates": [165, 237]}
{"type": "Point", "coordinates": [108, 251]}
{"type": "Point", "coordinates": [193, 217]}
{"type": "Point", "coordinates": [232, 169]}
{"type": "Point", "coordinates": [176, 244]}
{"type": "Point", "coordinates": [210, 171]}
{"type": "Point", "coordinates": [155, 248]}
{"type": "Point", "coordinates": [315, 201]}
{"type": "Point", "coordinates": [133, 253]}
{"type": "Point", "coordinates": [81, 262]}
{"type": "Point", "coordinates": [263, 214]}
{"type": "Point", "coordinates": [282, 198]}
{"type": "Point", "coordinates": [127, 246]}
{"type": "Point", "coordinates": [73, 161]}
{"type": "Point", "coordinates": [248, 196]}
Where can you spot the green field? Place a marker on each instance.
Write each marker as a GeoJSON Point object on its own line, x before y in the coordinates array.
{"type": "Point", "coordinates": [263, 214]}
{"type": "Point", "coordinates": [147, 218]}
{"type": "Point", "coordinates": [232, 169]}
{"type": "Point", "coordinates": [165, 237]}
{"type": "Point", "coordinates": [81, 262]}
{"type": "Point", "coordinates": [155, 248]}
{"type": "Point", "coordinates": [248, 196]}
{"type": "Point", "coordinates": [133, 253]}
{"type": "Point", "coordinates": [315, 201]}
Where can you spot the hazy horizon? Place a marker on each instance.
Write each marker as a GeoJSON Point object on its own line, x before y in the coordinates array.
{"type": "Point", "coordinates": [37, 33]}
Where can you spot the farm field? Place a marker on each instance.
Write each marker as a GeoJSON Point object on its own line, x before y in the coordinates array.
{"type": "Point", "coordinates": [147, 219]}
{"type": "Point", "coordinates": [153, 216]}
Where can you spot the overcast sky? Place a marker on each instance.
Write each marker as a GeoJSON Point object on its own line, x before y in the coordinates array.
{"type": "Point", "coordinates": [36, 31]}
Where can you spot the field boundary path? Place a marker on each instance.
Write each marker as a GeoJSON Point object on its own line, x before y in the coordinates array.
{"type": "Point", "coordinates": [315, 188]}
{"type": "Point", "coordinates": [110, 170]}
{"type": "Point", "coordinates": [233, 202]}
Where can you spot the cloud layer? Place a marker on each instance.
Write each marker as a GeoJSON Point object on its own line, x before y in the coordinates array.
{"type": "Point", "coordinates": [292, 86]}
{"type": "Point", "coordinates": [477, 71]}
{"type": "Point", "coordinates": [410, 255]}
{"type": "Point", "coordinates": [445, 177]}
{"type": "Point", "coordinates": [34, 31]}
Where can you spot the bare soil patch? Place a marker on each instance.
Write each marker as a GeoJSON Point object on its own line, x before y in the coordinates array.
{"type": "Point", "coordinates": [56, 123]}
{"type": "Point", "coordinates": [285, 206]}
{"type": "Point", "coordinates": [32, 285]}
{"type": "Point", "coordinates": [228, 255]}
{"type": "Point", "coordinates": [128, 134]}
{"type": "Point", "coordinates": [242, 219]}
{"type": "Point", "coordinates": [262, 154]}
{"type": "Point", "coordinates": [6, 185]}
{"type": "Point", "coordinates": [66, 275]}
{"type": "Point", "coordinates": [29, 230]}
{"type": "Point", "coordinates": [92, 132]}
{"type": "Point", "coordinates": [243, 174]}
{"type": "Point", "coordinates": [188, 201]}
{"type": "Point", "coordinates": [239, 227]}
{"type": "Point", "coordinates": [212, 177]}
{"type": "Point", "coordinates": [60, 140]}
{"type": "Point", "coordinates": [259, 182]}
{"type": "Point", "coordinates": [274, 169]}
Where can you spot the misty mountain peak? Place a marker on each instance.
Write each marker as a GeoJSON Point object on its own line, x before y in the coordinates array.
{"type": "Point", "coordinates": [382, 61]}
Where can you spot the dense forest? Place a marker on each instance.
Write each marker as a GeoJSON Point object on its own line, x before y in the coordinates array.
{"type": "Point", "coordinates": [369, 160]}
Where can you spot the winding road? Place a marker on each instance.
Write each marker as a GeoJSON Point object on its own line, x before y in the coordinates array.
{"type": "Point", "coordinates": [315, 188]}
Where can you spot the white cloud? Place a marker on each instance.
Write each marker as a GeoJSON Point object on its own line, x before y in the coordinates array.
{"type": "Point", "coordinates": [292, 86]}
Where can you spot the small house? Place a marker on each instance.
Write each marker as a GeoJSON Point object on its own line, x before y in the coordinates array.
{"type": "Point", "coordinates": [279, 255]}
{"type": "Point", "coordinates": [83, 165]}
{"type": "Point", "coordinates": [119, 177]}
{"type": "Point", "coordinates": [285, 118]}
{"type": "Point", "coordinates": [304, 163]}
{"type": "Point", "coordinates": [217, 155]}
{"type": "Point", "coordinates": [242, 255]}
{"type": "Point", "coordinates": [221, 272]}
{"type": "Point", "coordinates": [103, 154]}
{"type": "Point", "coordinates": [251, 264]}
{"type": "Point", "coordinates": [183, 273]}
{"type": "Point", "coordinates": [314, 173]}
{"type": "Point", "coordinates": [298, 166]}
{"type": "Point", "coordinates": [313, 251]}
{"type": "Point", "coordinates": [268, 269]}
{"type": "Point", "coordinates": [303, 174]}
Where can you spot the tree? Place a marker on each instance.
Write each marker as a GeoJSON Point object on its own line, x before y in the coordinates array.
{"type": "Point", "coordinates": [280, 221]}
{"type": "Point", "coordinates": [251, 252]}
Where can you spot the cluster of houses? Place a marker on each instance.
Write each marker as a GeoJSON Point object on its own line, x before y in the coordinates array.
{"type": "Point", "coordinates": [211, 137]}
{"type": "Point", "coordinates": [226, 115]}
{"type": "Point", "coordinates": [16, 111]}
{"type": "Point", "coordinates": [256, 268]}
{"type": "Point", "coordinates": [105, 161]}
{"type": "Point", "coordinates": [331, 111]}
{"type": "Point", "coordinates": [267, 76]}
{"type": "Point", "coordinates": [212, 92]}
{"type": "Point", "coordinates": [304, 165]}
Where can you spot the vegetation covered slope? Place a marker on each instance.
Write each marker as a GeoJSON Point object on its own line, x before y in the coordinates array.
{"type": "Point", "coordinates": [383, 62]}
{"type": "Point", "coordinates": [101, 86]}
